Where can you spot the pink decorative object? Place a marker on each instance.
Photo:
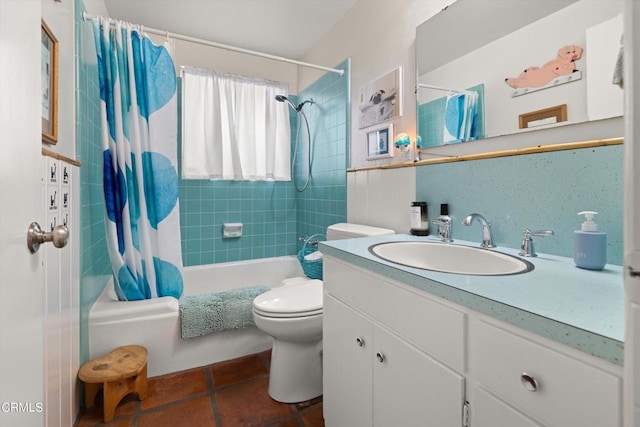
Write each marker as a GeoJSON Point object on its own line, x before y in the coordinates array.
{"type": "Point", "coordinates": [562, 65]}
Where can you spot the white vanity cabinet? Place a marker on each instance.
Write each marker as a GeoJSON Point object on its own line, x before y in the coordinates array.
{"type": "Point", "coordinates": [376, 372]}
{"type": "Point", "coordinates": [396, 355]}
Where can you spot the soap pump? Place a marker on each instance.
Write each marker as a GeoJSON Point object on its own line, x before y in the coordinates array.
{"type": "Point", "coordinates": [590, 245]}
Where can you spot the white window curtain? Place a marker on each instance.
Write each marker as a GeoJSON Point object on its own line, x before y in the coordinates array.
{"type": "Point", "coordinates": [233, 128]}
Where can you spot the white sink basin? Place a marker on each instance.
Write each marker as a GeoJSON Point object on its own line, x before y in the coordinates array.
{"type": "Point", "coordinates": [448, 258]}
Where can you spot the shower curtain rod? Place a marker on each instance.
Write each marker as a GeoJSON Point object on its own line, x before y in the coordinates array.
{"type": "Point", "coordinates": [426, 86]}
{"type": "Point", "coordinates": [87, 17]}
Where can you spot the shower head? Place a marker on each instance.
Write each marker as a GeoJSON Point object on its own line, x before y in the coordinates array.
{"type": "Point", "coordinates": [282, 98]}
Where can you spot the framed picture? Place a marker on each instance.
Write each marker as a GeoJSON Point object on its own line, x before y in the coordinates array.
{"type": "Point", "coordinates": [542, 117]}
{"type": "Point", "coordinates": [49, 78]}
{"type": "Point", "coordinates": [380, 100]}
{"type": "Point", "coordinates": [380, 142]}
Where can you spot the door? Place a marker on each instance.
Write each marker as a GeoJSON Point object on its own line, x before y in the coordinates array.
{"type": "Point", "coordinates": [412, 389]}
{"type": "Point", "coordinates": [21, 277]}
{"type": "Point", "coordinates": [347, 363]}
{"type": "Point", "coordinates": [632, 213]}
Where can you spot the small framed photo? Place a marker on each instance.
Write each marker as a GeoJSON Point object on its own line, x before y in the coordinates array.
{"type": "Point", "coordinates": [380, 142]}
{"type": "Point", "coordinates": [49, 82]}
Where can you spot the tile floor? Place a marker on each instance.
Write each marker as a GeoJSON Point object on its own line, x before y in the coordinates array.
{"type": "Point", "coordinates": [225, 394]}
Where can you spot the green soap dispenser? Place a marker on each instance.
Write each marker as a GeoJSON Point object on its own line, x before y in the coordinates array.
{"type": "Point", "coordinates": [590, 245]}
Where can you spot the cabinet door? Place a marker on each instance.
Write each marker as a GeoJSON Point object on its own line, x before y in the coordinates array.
{"type": "Point", "coordinates": [489, 411]}
{"type": "Point", "coordinates": [347, 366]}
{"type": "Point", "coordinates": [412, 389]}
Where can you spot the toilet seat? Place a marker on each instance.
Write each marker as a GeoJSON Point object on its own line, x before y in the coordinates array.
{"type": "Point", "coordinates": [295, 300]}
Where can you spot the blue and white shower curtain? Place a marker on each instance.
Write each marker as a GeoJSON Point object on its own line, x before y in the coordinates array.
{"type": "Point", "coordinates": [139, 116]}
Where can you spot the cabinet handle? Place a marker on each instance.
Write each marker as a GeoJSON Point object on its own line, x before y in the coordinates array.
{"type": "Point", "coordinates": [380, 357]}
{"type": "Point", "coordinates": [360, 342]}
{"type": "Point", "coordinates": [529, 382]}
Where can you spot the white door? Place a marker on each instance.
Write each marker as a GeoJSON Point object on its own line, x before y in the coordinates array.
{"type": "Point", "coordinates": [412, 389]}
{"type": "Point", "coordinates": [347, 366]}
{"type": "Point", "coordinates": [631, 213]}
{"type": "Point", "coordinates": [21, 277]}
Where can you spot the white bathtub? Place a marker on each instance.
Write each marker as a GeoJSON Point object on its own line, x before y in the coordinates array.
{"type": "Point", "coordinates": [155, 323]}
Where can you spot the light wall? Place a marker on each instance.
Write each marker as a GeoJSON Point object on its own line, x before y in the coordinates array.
{"type": "Point", "coordinates": [381, 197]}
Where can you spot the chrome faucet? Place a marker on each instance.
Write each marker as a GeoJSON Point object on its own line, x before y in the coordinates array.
{"type": "Point", "coordinates": [486, 229]}
{"type": "Point", "coordinates": [444, 228]}
{"type": "Point", "coordinates": [527, 248]}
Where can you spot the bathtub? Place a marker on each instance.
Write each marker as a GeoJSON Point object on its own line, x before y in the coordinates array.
{"type": "Point", "coordinates": [155, 323]}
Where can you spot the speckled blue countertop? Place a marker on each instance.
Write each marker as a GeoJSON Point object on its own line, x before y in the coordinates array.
{"type": "Point", "coordinates": [580, 308]}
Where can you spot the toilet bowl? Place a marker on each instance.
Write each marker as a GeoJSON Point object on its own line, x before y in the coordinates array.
{"type": "Point", "coordinates": [292, 315]}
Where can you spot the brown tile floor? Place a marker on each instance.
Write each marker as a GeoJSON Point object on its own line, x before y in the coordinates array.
{"type": "Point", "coordinates": [225, 394]}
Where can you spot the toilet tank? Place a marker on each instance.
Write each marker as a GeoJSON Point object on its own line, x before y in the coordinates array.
{"type": "Point", "coordinates": [345, 230]}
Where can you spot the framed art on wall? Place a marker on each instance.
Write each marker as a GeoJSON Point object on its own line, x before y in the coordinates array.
{"type": "Point", "coordinates": [380, 142]}
{"type": "Point", "coordinates": [380, 100]}
{"type": "Point", "coordinates": [49, 82]}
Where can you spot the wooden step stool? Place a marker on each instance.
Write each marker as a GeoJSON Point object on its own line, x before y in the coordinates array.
{"type": "Point", "coordinates": [118, 373]}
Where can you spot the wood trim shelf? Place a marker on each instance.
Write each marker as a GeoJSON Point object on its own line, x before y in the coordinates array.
{"type": "Point", "coordinates": [65, 159]}
{"type": "Point", "coordinates": [503, 153]}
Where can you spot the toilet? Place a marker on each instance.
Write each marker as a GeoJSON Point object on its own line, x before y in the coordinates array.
{"type": "Point", "coordinates": [292, 315]}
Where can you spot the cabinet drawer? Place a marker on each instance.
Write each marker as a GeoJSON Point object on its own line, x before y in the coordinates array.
{"type": "Point", "coordinates": [567, 392]}
{"type": "Point", "coordinates": [432, 327]}
{"type": "Point", "coordinates": [489, 411]}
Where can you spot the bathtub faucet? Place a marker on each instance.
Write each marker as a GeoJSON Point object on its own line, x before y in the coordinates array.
{"type": "Point", "coordinates": [313, 242]}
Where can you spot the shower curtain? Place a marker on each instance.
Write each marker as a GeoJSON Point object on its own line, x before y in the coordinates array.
{"type": "Point", "coordinates": [138, 112]}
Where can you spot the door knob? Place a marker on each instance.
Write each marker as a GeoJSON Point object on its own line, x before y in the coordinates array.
{"type": "Point", "coordinates": [35, 237]}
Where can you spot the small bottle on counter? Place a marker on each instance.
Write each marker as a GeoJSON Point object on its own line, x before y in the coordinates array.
{"type": "Point", "coordinates": [590, 245]}
{"type": "Point", "coordinates": [419, 219]}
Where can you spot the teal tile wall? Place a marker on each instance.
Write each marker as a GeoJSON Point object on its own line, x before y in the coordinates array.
{"type": "Point", "coordinates": [431, 118]}
{"type": "Point", "coordinates": [536, 191]}
{"type": "Point", "coordinates": [266, 209]}
{"type": "Point", "coordinates": [95, 268]}
{"type": "Point", "coordinates": [325, 200]}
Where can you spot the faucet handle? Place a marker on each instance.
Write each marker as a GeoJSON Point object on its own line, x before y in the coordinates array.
{"type": "Point", "coordinates": [527, 249]}
{"type": "Point", "coordinates": [444, 227]}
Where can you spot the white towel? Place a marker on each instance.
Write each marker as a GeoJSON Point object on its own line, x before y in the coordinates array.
{"type": "Point", "coordinates": [453, 117]}
{"type": "Point", "coordinates": [313, 256]}
{"type": "Point", "coordinates": [618, 77]}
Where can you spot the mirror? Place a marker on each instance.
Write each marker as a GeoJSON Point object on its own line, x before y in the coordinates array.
{"type": "Point", "coordinates": [472, 47]}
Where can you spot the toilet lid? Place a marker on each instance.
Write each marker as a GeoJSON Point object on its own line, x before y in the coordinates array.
{"type": "Point", "coordinates": [303, 299]}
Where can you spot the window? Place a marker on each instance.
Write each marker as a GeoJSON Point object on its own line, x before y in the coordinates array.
{"type": "Point", "coordinates": [233, 128]}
